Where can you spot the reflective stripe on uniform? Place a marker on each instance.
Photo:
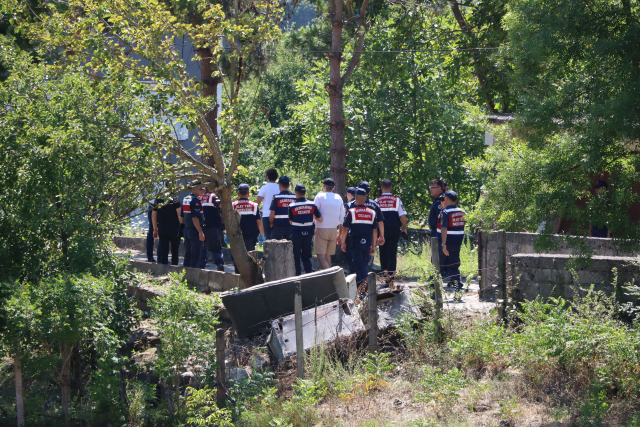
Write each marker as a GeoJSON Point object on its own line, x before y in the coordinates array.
{"type": "Point", "coordinates": [281, 216]}
{"type": "Point", "coordinates": [453, 232]}
{"type": "Point", "coordinates": [302, 224]}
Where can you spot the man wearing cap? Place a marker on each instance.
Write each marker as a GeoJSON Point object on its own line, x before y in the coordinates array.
{"type": "Point", "coordinates": [359, 232]}
{"type": "Point", "coordinates": [265, 194]}
{"type": "Point", "coordinates": [351, 194]}
{"type": "Point", "coordinates": [301, 216]}
{"type": "Point", "coordinates": [436, 189]}
{"type": "Point", "coordinates": [193, 233]}
{"type": "Point", "coordinates": [279, 216]}
{"type": "Point", "coordinates": [395, 223]}
{"type": "Point", "coordinates": [212, 224]}
{"type": "Point", "coordinates": [450, 230]}
{"type": "Point", "coordinates": [328, 231]}
{"type": "Point", "coordinates": [250, 221]}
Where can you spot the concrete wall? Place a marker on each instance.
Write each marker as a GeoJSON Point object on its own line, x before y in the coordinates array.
{"type": "Point", "coordinates": [496, 248]}
{"type": "Point", "coordinates": [549, 275]}
{"type": "Point", "coordinates": [202, 280]}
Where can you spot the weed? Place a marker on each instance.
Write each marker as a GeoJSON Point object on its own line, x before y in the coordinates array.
{"type": "Point", "coordinates": [138, 395]}
{"type": "Point", "coordinates": [309, 392]}
{"type": "Point", "coordinates": [442, 390]}
{"type": "Point", "coordinates": [509, 409]}
{"type": "Point", "coordinates": [375, 366]}
{"type": "Point", "coordinates": [595, 407]}
{"type": "Point", "coordinates": [202, 409]}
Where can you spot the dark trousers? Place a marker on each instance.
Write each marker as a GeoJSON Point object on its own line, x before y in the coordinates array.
{"type": "Point", "coordinates": [441, 258]}
{"type": "Point", "coordinates": [349, 255]}
{"type": "Point", "coordinates": [360, 248]}
{"type": "Point", "coordinates": [389, 251]}
{"type": "Point", "coordinates": [451, 265]}
{"type": "Point", "coordinates": [192, 248]}
{"type": "Point", "coordinates": [168, 239]}
{"type": "Point", "coordinates": [250, 244]}
{"type": "Point", "coordinates": [281, 232]}
{"type": "Point", "coordinates": [211, 244]}
{"type": "Point", "coordinates": [150, 242]}
{"type": "Point", "coordinates": [266, 224]}
{"type": "Point", "coordinates": [302, 250]}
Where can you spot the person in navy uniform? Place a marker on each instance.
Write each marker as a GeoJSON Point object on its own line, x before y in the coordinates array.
{"type": "Point", "coordinates": [351, 196]}
{"type": "Point", "coordinates": [450, 230]}
{"type": "Point", "coordinates": [436, 189]}
{"type": "Point", "coordinates": [360, 232]}
{"type": "Point", "coordinates": [395, 224]}
{"type": "Point", "coordinates": [250, 219]}
{"type": "Point", "coordinates": [193, 231]}
{"type": "Point", "coordinates": [279, 216]}
{"type": "Point", "coordinates": [212, 225]}
{"type": "Point", "coordinates": [301, 215]}
{"type": "Point", "coordinates": [166, 227]}
{"type": "Point", "coordinates": [373, 205]}
{"type": "Point", "coordinates": [150, 239]}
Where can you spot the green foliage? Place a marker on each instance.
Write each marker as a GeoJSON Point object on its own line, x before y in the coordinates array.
{"type": "Point", "coordinates": [595, 407]}
{"type": "Point", "coordinates": [202, 410]}
{"type": "Point", "coordinates": [442, 389]}
{"type": "Point", "coordinates": [308, 392]}
{"type": "Point", "coordinates": [68, 174]}
{"type": "Point", "coordinates": [186, 321]}
{"type": "Point", "coordinates": [63, 320]}
{"type": "Point", "coordinates": [483, 345]}
{"type": "Point", "coordinates": [139, 395]}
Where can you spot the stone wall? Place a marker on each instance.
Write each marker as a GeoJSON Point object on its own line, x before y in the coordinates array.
{"type": "Point", "coordinates": [202, 280]}
{"type": "Point", "coordinates": [550, 275]}
{"type": "Point", "coordinates": [497, 247]}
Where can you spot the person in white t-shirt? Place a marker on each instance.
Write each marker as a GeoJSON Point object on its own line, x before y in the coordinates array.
{"type": "Point", "coordinates": [266, 194]}
{"type": "Point", "coordinates": [331, 207]}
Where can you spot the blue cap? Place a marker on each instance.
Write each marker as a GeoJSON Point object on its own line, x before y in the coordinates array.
{"type": "Point", "coordinates": [243, 187]}
{"type": "Point", "coordinates": [283, 180]}
{"type": "Point", "coordinates": [451, 195]}
{"type": "Point", "coordinates": [365, 185]}
{"type": "Point", "coordinates": [300, 188]}
{"type": "Point", "coordinates": [601, 184]}
{"type": "Point", "coordinates": [361, 192]}
{"type": "Point", "coordinates": [351, 190]}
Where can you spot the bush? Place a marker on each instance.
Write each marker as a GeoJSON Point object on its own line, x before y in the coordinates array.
{"type": "Point", "coordinates": [483, 345]}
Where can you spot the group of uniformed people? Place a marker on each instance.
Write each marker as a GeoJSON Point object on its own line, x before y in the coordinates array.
{"type": "Point", "coordinates": [357, 226]}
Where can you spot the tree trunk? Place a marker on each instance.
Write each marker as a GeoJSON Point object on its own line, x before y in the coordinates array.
{"type": "Point", "coordinates": [249, 269]}
{"type": "Point", "coordinates": [17, 366]}
{"type": "Point", "coordinates": [334, 87]}
{"type": "Point", "coordinates": [338, 169]}
{"type": "Point", "coordinates": [166, 389]}
{"type": "Point", "coordinates": [210, 88]}
{"type": "Point", "coordinates": [65, 380]}
{"type": "Point", "coordinates": [477, 70]}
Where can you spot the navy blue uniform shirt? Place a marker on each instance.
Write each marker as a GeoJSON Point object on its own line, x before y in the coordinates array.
{"type": "Point", "coordinates": [361, 221]}
{"type": "Point", "coordinates": [301, 213]}
{"type": "Point", "coordinates": [434, 213]}
{"type": "Point", "coordinates": [211, 210]}
{"type": "Point", "coordinates": [280, 204]}
{"type": "Point", "coordinates": [392, 208]}
{"type": "Point", "coordinates": [249, 214]}
{"type": "Point", "coordinates": [191, 208]}
{"type": "Point", "coordinates": [370, 204]}
{"type": "Point", "coordinates": [452, 217]}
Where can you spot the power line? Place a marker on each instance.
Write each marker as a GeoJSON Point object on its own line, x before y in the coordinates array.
{"type": "Point", "coordinates": [387, 51]}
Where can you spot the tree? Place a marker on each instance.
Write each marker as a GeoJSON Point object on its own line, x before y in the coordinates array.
{"type": "Point", "coordinates": [116, 39]}
{"type": "Point", "coordinates": [577, 67]}
{"type": "Point", "coordinates": [68, 173]}
{"type": "Point", "coordinates": [187, 323]}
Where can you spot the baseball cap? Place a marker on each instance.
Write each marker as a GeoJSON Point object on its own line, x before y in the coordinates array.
{"type": "Point", "coordinates": [329, 182]}
{"type": "Point", "coordinates": [300, 188]}
{"type": "Point", "coordinates": [243, 187]}
{"type": "Point", "coordinates": [196, 184]}
{"type": "Point", "coordinates": [365, 185]}
{"type": "Point", "coordinates": [351, 190]}
{"type": "Point", "coordinates": [386, 183]}
{"type": "Point", "coordinates": [601, 184]}
{"type": "Point", "coordinates": [283, 180]}
{"type": "Point", "coordinates": [452, 195]}
{"type": "Point", "coordinates": [361, 192]}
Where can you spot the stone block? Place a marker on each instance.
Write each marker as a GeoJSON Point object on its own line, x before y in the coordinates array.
{"type": "Point", "coordinates": [278, 260]}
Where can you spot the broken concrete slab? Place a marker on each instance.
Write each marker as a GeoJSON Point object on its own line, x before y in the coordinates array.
{"type": "Point", "coordinates": [321, 325]}
{"type": "Point", "coordinates": [253, 309]}
{"type": "Point", "coordinates": [202, 280]}
{"type": "Point", "coordinates": [392, 304]}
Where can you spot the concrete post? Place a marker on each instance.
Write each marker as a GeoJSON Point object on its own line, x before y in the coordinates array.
{"type": "Point", "coordinates": [502, 270]}
{"type": "Point", "coordinates": [278, 260]}
{"type": "Point", "coordinates": [220, 371]}
{"type": "Point", "coordinates": [297, 308]}
{"type": "Point", "coordinates": [373, 313]}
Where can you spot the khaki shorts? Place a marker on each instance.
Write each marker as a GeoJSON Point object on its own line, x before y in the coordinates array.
{"type": "Point", "coordinates": [325, 241]}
